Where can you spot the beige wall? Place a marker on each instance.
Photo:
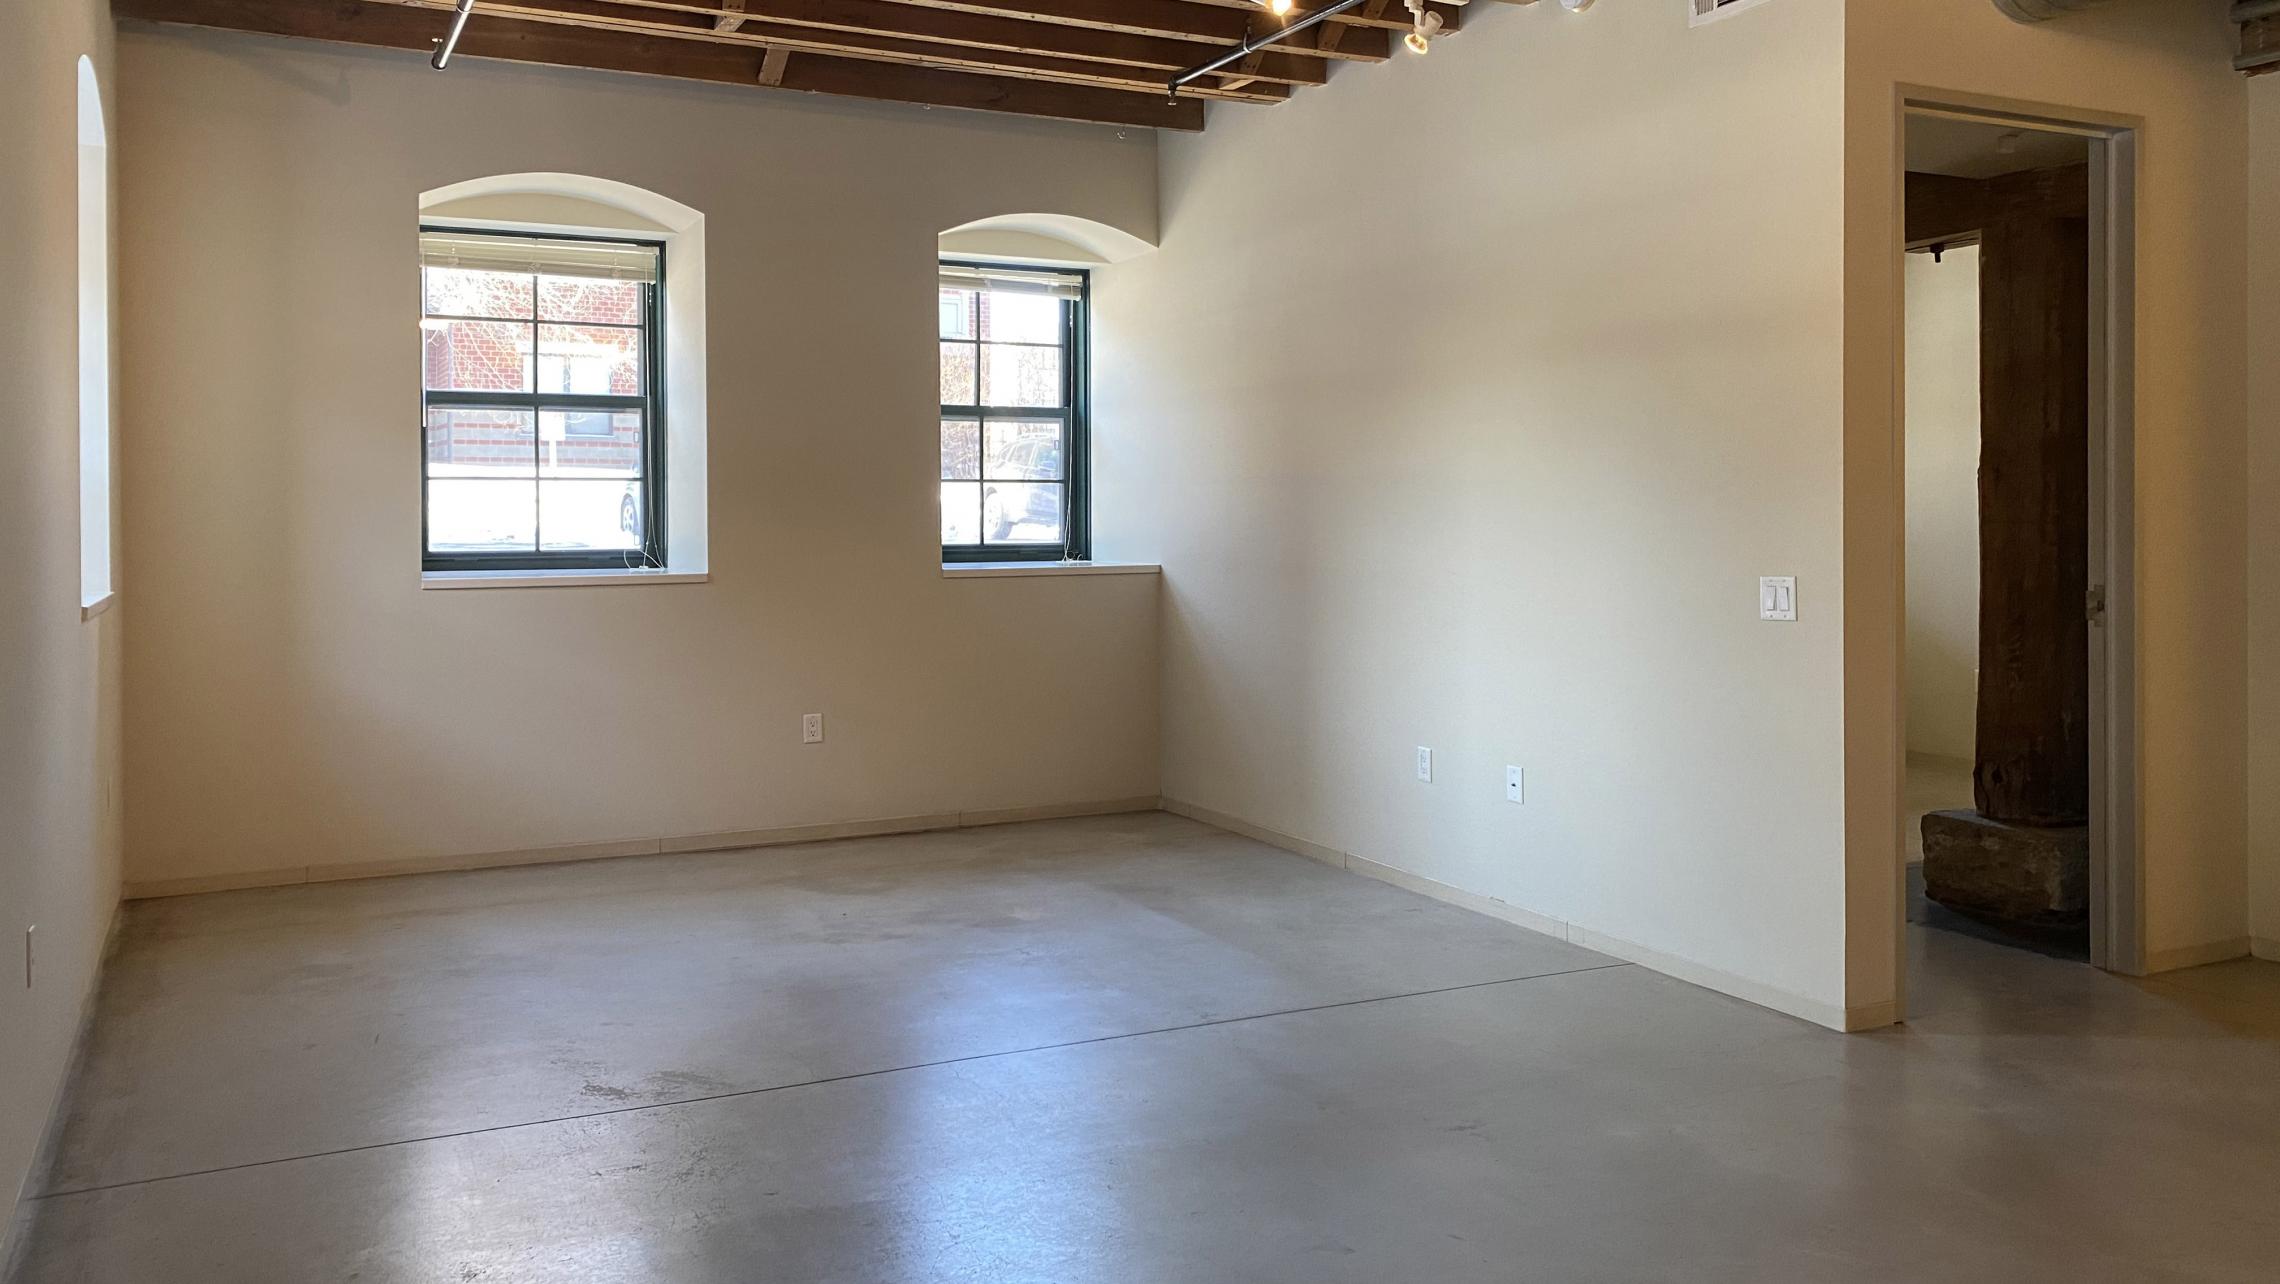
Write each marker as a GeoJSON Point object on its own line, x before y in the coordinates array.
{"type": "Point", "coordinates": [1464, 404]}
{"type": "Point", "coordinates": [2264, 513]}
{"type": "Point", "coordinates": [59, 685]}
{"type": "Point", "coordinates": [1943, 502]}
{"type": "Point", "coordinates": [298, 700]}
{"type": "Point", "coordinates": [2167, 66]}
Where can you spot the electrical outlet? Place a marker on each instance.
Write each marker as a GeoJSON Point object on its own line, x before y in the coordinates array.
{"type": "Point", "coordinates": [1515, 785]}
{"type": "Point", "coordinates": [811, 728]}
{"type": "Point", "coordinates": [1425, 764]}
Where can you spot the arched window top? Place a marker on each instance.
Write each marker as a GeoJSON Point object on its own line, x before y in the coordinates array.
{"type": "Point", "coordinates": [559, 200]}
{"type": "Point", "coordinates": [1042, 238]}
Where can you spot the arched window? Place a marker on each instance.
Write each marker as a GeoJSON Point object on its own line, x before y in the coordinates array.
{"type": "Point", "coordinates": [1013, 300]}
{"type": "Point", "coordinates": [561, 316]}
{"type": "Point", "coordinates": [94, 346]}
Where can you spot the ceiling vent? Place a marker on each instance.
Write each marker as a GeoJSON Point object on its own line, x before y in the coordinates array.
{"type": "Point", "coordinates": [1712, 10]}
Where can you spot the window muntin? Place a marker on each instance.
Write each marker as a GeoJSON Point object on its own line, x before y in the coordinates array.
{"type": "Point", "coordinates": [1013, 445]}
{"type": "Point", "coordinates": [543, 423]}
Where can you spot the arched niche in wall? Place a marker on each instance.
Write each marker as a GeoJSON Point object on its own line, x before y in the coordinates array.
{"type": "Point", "coordinates": [1061, 240]}
{"type": "Point", "coordinates": [580, 204]}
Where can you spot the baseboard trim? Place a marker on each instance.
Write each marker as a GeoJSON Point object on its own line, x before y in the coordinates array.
{"type": "Point", "coordinates": [2157, 961]}
{"type": "Point", "coordinates": [676, 844]}
{"type": "Point", "coordinates": [1866, 1017]}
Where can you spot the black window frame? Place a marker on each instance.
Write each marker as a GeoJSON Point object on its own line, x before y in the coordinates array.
{"type": "Point", "coordinates": [650, 402]}
{"type": "Point", "coordinates": [1075, 413]}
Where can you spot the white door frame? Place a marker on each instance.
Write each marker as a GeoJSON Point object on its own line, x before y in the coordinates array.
{"type": "Point", "coordinates": [2117, 868]}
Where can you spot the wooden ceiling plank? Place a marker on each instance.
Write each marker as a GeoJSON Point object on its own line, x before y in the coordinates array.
{"type": "Point", "coordinates": [879, 17]}
{"type": "Point", "coordinates": [1330, 35]}
{"type": "Point", "coordinates": [397, 27]}
{"type": "Point", "coordinates": [772, 65]}
{"type": "Point", "coordinates": [1452, 15]}
{"type": "Point", "coordinates": [874, 46]}
{"type": "Point", "coordinates": [732, 15]}
{"type": "Point", "coordinates": [1173, 19]}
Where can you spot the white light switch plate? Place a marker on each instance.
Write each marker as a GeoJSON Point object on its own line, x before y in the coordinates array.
{"type": "Point", "coordinates": [1777, 597]}
{"type": "Point", "coordinates": [1424, 764]}
{"type": "Point", "coordinates": [1515, 785]}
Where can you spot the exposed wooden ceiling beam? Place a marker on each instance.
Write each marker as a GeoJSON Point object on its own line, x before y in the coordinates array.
{"type": "Point", "coordinates": [859, 42]}
{"type": "Point", "coordinates": [398, 27]}
{"type": "Point", "coordinates": [1330, 35]}
{"type": "Point", "coordinates": [2259, 41]}
{"type": "Point", "coordinates": [1178, 19]}
{"type": "Point", "coordinates": [1398, 19]}
{"type": "Point", "coordinates": [884, 17]}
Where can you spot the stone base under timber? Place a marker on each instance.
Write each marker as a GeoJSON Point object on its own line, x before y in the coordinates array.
{"type": "Point", "coordinates": [2011, 873]}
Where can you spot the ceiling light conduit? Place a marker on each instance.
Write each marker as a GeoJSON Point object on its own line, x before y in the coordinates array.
{"type": "Point", "coordinates": [1253, 45]}
{"type": "Point", "coordinates": [450, 39]}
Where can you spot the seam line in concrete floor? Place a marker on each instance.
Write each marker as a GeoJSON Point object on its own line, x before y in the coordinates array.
{"type": "Point", "coordinates": [811, 1083]}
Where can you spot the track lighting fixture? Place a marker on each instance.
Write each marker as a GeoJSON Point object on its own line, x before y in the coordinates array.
{"type": "Point", "coordinates": [1424, 26]}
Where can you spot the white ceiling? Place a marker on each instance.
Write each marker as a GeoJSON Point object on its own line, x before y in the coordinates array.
{"type": "Point", "coordinates": [1970, 149]}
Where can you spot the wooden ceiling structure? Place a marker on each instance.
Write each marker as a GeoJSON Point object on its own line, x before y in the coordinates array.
{"type": "Point", "coordinates": [1108, 61]}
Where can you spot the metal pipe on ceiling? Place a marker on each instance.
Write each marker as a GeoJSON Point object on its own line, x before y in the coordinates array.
{"type": "Point", "coordinates": [1252, 46]}
{"type": "Point", "coordinates": [450, 40]}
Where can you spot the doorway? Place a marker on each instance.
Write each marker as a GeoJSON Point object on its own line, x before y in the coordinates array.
{"type": "Point", "coordinates": [2018, 820]}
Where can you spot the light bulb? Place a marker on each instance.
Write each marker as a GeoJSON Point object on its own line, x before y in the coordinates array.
{"type": "Point", "coordinates": [1277, 7]}
{"type": "Point", "coordinates": [1417, 42]}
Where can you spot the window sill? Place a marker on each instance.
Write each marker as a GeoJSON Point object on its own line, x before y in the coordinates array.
{"type": "Point", "coordinates": [553, 579]}
{"type": "Point", "coordinates": [1014, 570]}
{"type": "Point", "coordinates": [89, 610]}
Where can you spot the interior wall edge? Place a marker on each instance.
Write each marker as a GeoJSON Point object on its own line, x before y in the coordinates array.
{"type": "Point", "coordinates": [1803, 1007]}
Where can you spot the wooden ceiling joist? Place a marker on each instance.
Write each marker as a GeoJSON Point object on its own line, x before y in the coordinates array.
{"type": "Point", "coordinates": [884, 18]}
{"type": "Point", "coordinates": [965, 49]}
{"type": "Point", "coordinates": [1108, 61]}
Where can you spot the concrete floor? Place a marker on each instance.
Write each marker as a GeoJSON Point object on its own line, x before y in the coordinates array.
{"type": "Point", "coordinates": [1129, 1049]}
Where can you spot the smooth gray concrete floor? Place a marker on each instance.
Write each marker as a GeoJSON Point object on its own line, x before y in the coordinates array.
{"type": "Point", "coordinates": [1128, 1049]}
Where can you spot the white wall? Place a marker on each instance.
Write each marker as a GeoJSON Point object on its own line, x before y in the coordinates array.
{"type": "Point", "coordinates": [297, 700]}
{"type": "Point", "coordinates": [2264, 514]}
{"type": "Point", "coordinates": [1464, 404]}
{"type": "Point", "coordinates": [2166, 67]}
{"type": "Point", "coordinates": [59, 682]}
{"type": "Point", "coordinates": [1943, 503]}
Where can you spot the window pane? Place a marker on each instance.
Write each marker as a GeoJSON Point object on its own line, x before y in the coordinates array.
{"type": "Point", "coordinates": [1021, 513]}
{"type": "Point", "coordinates": [595, 444]}
{"type": "Point", "coordinates": [957, 308]}
{"type": "Point", "coordinates": [462, 293]}
{"type": "Point", "coordinates": [577, 298]}
{"type": "Point", "coordinates": [961, 449]}
{"type": "Point", "coordinates": [1024, 450]}
{"type": "Point", "coordinates": [589, 359]}
{"type": "Point", "coordinates": [958, 374]}
{"type": "Point", "coordinates": [1021, 318]}
{"type": "Point", "coordinates": [480, 443]}
{"type": "Point", "coordinates": [477, 356]}
{"type": "Point", "coordinates": [589, 514]}
{"type": "Point", "coordinates": [961, 512]}
{"type": "Point", "coordinates": [481, 516]}
{"type": "Point", "coordinates": [1014, 376]}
